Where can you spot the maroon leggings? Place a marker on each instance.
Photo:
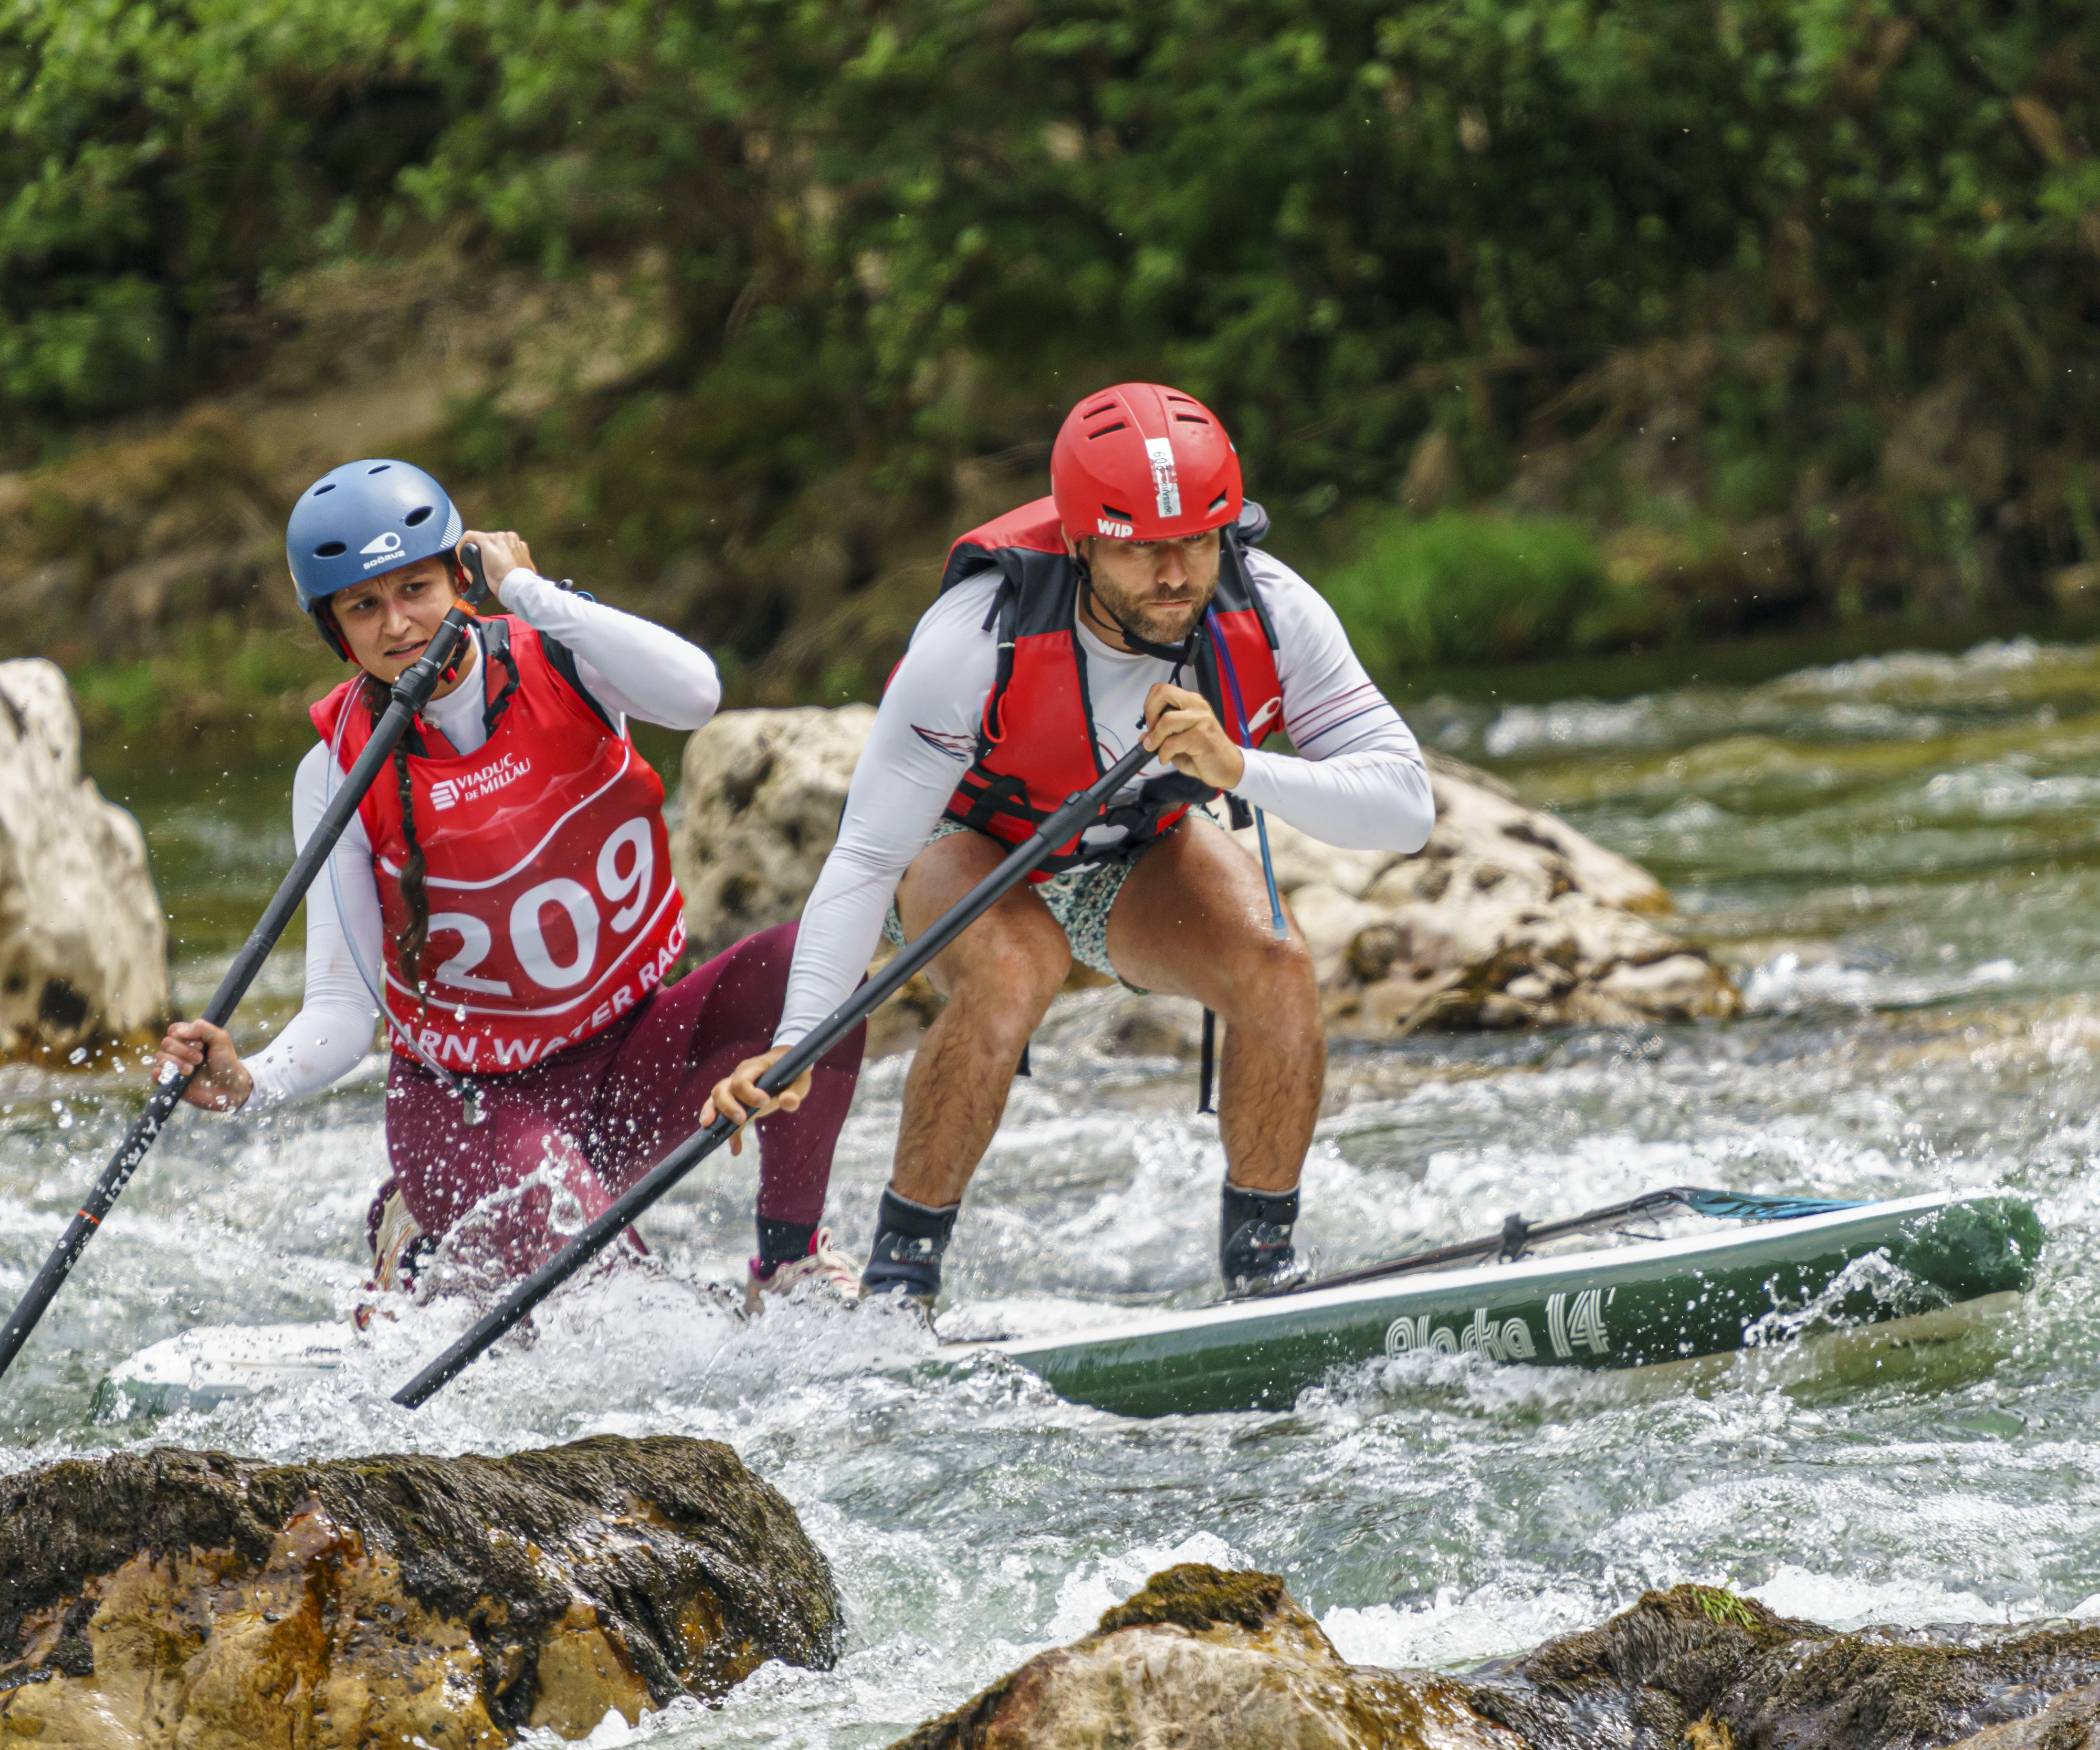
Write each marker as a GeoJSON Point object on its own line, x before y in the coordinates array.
{"type": "Point", "coordinates": [601, 1114]}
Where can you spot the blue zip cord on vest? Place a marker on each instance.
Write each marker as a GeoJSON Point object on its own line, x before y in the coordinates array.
{"type": "Point", "coordinates": [1261, 824]}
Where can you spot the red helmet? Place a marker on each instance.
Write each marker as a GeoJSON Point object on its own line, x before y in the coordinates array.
{"type": "Point", "coordinates": [1143, 462]}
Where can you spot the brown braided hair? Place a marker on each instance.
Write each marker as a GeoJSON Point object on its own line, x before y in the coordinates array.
{"type": "Point", "coordinates": [415, 935]}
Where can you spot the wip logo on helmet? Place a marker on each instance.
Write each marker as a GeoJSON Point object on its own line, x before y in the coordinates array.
{"type": "Point", "coordinates": [1115, 531]}
{"type": "Point", "coordinates": [381, 548]}
{"type": "Point", "coordinates": [1166, 484]}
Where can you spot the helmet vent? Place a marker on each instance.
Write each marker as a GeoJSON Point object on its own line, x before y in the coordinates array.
{"type": "Point", "coordinates": [381, 469]}
{"type": "Point", "coordinates": [1192, 419]}
{"type": "Point", "coordinates": [325, 486]}
{"type": "Point", "coordinates": [1118, 512]}
{"type": "Point", "coordinates": [1219, 503]}
{"type": "Point", "coordinates": [420, 514]}
{"type": "Point", "coordinates": [1102, 431]}
{"type": "Point", "coordinates": [330, 550]}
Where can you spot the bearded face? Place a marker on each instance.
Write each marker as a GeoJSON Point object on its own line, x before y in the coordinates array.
{"type": "Point", "coordinates": [1157, 588]}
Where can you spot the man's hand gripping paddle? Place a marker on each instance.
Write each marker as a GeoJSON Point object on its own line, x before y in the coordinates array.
{"type": "Point", "coordinates": [410, 694]}
{"type": "Point", "coordinates": [1063, 825]}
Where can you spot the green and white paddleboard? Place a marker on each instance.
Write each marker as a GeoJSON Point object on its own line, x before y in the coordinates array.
{"type": "Point", "coordinates": [1884, 1267]}
{"type": "Point", "coordinates": [1634, 1305]}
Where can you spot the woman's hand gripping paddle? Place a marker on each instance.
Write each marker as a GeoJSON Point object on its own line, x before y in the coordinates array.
{"type": "Point", "coordinates": [410, 694]}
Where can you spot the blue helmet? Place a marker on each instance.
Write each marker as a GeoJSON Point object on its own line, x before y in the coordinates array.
{"type": "Point", "coordinates": [361, 519]}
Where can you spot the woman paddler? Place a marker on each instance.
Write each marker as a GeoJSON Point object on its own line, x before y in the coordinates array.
{"type": "Point", "coordinates": [511, 890]}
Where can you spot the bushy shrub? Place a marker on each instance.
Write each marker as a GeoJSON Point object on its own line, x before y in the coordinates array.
{"type": "Point", "coordinates": [903, 233]}
{"type": "Point", "coordinates": [1458, 586]}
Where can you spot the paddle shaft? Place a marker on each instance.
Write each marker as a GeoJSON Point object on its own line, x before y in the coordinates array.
{"type": "Point", "coordinates": [1065, 823]}
{"type": "Point", "coordinates": [1493, 1245]}
{"type": "Point", "coordinates": [410, 694]}
{"type": "Point", "coordinates": [1518, 1234]}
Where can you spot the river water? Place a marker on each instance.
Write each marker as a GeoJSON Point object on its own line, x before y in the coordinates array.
{"type": "Point", "coordinates": [1896, 854]}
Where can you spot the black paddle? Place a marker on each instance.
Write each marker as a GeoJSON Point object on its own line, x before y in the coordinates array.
{"type": "Point", "coordinates": [1518, 1235]}
{"type": "Point", "coordinates": [1076, 811]}
{"type": "Point", "coordinates": [410, 694]}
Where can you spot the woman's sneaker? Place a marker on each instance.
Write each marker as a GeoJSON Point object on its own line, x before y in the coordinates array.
{"type": "Point", "coordinates": [399, 1249]}
{"type": "Point", "coordinates": [838, 1274]}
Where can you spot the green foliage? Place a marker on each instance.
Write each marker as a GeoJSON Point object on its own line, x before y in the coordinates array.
{"type": "Point", "coordinates": [126, 696]}
{"type": "Point", "coordinates": [164, 158]}
{"type": "Point", "coordinates": [904, 234]}
{"type": "Point", "coordinates": [1725, 1608]}
{"type": "Point", "coordinates": [222, 676]}
{"type": "Point", "coordinates": [1460, 586]}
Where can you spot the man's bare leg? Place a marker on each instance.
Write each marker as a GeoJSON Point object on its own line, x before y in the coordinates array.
{"type": "Point", "coordinates": [1193, 920]}
{"type": "Point", "coordinates": [998, 976]}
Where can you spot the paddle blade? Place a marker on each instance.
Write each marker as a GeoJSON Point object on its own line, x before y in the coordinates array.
{"type": "Point", "coordinates": [1749, 1206]}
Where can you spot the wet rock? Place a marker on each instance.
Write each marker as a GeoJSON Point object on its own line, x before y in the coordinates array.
{"type": "Point", "coordinates": [83, 947]}
{"type": "Point", "coordinates": [1508, 918]}
{"type": "Point", "coordinates": [2070, 1722]}
{"type": "Point", "coordinates": [760, 798]}
{"type": "Point", "coordinates": [1201, 1657]}
{"type": "Point", "coordinates": [180, 1597]}
{"type": "Point", "coordinates": [1207, 1660]}
{"type": "Point", "coordinates": [1702, 1667]}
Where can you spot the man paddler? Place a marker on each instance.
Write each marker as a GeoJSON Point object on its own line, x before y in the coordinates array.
{"type": "Point", "coordinates": [1135, 599]}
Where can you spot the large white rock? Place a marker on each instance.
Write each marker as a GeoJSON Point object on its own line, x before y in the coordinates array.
{"type": "Point", "coordinates": [83, 945]}
{"type": "Point", "coordinates": [1508, 918]}
{"type": "Point", "coordinates": [759, 807]}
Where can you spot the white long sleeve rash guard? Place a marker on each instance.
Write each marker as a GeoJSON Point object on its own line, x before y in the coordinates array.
{"type": "Point", "coordinates": [1360, 781]}
{"type": "Point", "coordinates": [631, 667]}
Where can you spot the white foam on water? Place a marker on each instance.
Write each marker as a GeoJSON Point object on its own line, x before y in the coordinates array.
{"type": "Point", "coordinates": [1791, 982]}
{"type": "Point", "coordinates": [1571, 724]}
{"type": "Point", "coordinates": [1461, 1626]}
{"type": "Point", "coordinates": [1990, 660]}
{"type": "Point", "coordinates": [1848, 1601]}
{"type": "Point", "coordinates": [1104, 1583]}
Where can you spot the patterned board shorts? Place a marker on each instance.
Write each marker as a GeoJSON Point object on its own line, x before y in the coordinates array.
{"type": "Point", "coordinates": [1079, 899]}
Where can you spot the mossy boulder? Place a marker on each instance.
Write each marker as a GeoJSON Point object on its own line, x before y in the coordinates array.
{"type": "Point", "coordinates": [1205, 1659]}
{"type": "Point", "coordinates": [169, 1596]}
{"type": "Point", "coordinates": [1702, 1667]}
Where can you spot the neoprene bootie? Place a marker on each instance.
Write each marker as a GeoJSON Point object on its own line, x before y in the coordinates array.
{"type": "Point", "coordinates": [1255, 1254]}
{"type": "Point", "coordinates": [909, 1241]}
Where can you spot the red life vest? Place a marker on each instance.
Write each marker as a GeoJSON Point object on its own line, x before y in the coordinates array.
{"type": "Point", "coordinates": [1035, 744]}
{"type": "Point", "coordinates": [553, 910]}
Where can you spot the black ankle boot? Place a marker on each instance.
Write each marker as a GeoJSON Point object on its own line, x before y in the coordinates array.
{"type": "Point", "coordinates": [909, 1241]}
{"type": "Point", "coordinates": [1255, 1253]}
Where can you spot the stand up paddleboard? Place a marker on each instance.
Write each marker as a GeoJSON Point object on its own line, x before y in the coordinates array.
{"type": "Point", "coordinates": [1649, 1303]}
{"type": "Point", "coordinates": [1893, 1267]}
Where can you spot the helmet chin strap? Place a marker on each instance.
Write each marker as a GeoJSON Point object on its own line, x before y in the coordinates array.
{"type": "Point", "coordinates": [1178, 654]}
